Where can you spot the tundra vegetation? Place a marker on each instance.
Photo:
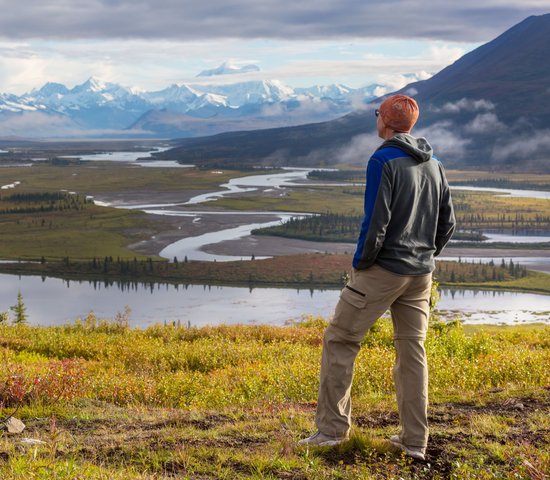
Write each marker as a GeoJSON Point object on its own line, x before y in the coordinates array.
{"type": "Point", "coordinates": [101, 400]}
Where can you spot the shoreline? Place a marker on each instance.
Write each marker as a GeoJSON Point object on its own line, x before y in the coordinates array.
{"type": "Point", "coordinates": [251, 274]}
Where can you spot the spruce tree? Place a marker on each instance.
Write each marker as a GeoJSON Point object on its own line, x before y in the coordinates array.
{"type": "Point", "coordinates": [19, 310]}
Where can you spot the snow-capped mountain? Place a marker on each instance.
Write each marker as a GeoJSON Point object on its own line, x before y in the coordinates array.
{"type": "Point", "coordinates": [50, 89]}
{"type": "Point", "coordinates": [334, 91]}
{"type": "Point", "coordinates": [96, 106]}
{"type": "Point", "coordinates": [265, 91]}
{"type": "Point", "coordinates": [92, 93]}
{"type": "Point", "coordinates": [15, 104]}
{"type": "Point", "coordinates": [228, 68]}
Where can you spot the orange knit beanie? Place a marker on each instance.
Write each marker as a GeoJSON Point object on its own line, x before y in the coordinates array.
{"type": "Point", "coordinates": [399, 112]}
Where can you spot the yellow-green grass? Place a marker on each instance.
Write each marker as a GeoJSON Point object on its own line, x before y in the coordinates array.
{"type": "Point", "coordinates": [79, 234]}
{"type": "Point", "coordinates": [231, 401]}
{"type": "Point", "coordinates": [489, 210]}
{"type": "Point", "coordinates": [297, 199]}
{"type": "Point", "coordinates": [99, 177]}
{"type": "Point", "coordinates": [537, 282]}
{"type": "Point", "coordinates": [457, 176]}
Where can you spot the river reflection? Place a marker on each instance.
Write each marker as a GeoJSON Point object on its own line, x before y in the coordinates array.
{"type": "Point", "coordinates": [52, 301]}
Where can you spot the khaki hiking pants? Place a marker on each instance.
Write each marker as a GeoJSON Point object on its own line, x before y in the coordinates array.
{"type": "Point", "coordinates": [365, 298]}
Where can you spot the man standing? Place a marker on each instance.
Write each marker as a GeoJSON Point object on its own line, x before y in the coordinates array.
{"type": "Point", "coordinates": [408, 220]}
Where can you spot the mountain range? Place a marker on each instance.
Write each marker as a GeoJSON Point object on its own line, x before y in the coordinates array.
{"type": "Point", "coordinates": [491, 108]}
{"type": "Point", "coordinates": [103, 109]}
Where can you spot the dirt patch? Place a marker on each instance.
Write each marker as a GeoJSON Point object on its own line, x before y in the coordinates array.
{"type": "Point", "coordinates": [507, 406]}
{"type": "Point", "coordinates": [378, 420]}
{"type": "Point", "coordinates": [211, 421]}
{"type": "Point", "coordinates": [120, 442]}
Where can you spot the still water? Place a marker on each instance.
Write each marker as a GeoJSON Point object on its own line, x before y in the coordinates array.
{"type": "Point", "coordinates": [52, 301]}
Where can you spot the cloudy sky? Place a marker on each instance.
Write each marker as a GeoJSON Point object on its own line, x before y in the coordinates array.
{"type": "Point", "coordinates": [151, 44]}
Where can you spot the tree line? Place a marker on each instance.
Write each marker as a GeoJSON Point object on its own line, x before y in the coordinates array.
{"type": "Point", "coordinates": [43, 202]}
{"type": "Point", "coordinates": [334, 227]}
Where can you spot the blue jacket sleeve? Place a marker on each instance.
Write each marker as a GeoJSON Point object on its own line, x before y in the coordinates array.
{"type": "Point", "coordinates": [377, 214]}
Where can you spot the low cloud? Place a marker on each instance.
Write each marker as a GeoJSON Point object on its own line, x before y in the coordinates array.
{"type": "Point", "coordinates": [41, 125]}
{"type": "Point", "coordinates": [446, 140]}
{"type": "Point", "coordinates": [411, 91]}
{"type": "Point", "coordinates": [307, 108]}
{"type": "Point", "coordinates": [523, 147]}
{"type": "Point", "coordinates": [483, 123]}
{"type": "Point", "coordinates": [465, 105]}
{"type": "Point", "coordinates": [33, 124]}
{"type": "Point", "coordinates": [446, 53]}
{"type": "Point", "coordinates": [359, 150]}
{"type": "Point", "coordinates": [358, 104]}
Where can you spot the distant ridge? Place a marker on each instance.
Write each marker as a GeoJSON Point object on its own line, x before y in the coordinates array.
{"type": "Point", "coordinates": [490, 108]}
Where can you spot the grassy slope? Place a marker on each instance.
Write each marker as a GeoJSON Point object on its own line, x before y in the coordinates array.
{"type": "Point", "coordinates": [99, 177]}
{"type": "Point", "coordinates": [230, 402]}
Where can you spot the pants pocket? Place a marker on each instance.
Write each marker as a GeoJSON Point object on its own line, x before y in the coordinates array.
{"type": "Point", "coordinates": [354, 297]}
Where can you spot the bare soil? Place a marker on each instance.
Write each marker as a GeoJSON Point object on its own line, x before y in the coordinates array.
{"type": "Point", "coordinates": [121, 439]}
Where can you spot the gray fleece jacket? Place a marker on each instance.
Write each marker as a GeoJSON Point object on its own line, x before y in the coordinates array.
{"type": "Point", "coordinates": [409, 214]}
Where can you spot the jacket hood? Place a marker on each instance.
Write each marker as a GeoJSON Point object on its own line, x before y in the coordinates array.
{"type": "Point", "coordinates": [418, 148]}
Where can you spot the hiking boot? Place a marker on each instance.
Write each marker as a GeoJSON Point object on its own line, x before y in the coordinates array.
{"type": "Point", "coordinates": [321, 440]}
{"type": "Point", "coordinates": [414, 452]}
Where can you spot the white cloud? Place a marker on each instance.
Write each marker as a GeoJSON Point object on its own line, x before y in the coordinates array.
{"type": "Point", "coordinates": [465, 105]}
{"type": "Point", "coordinates": [393, 82]}
{"type": "Point", "coordinates": [446, 54]}
{"type": "Point", "coordinates": [526, 146]}
{"type": "Point", "coordinates": [448, 144]}
{"type": "Point", "coordinates": [154, 64]}
{"type": "Point", "coordinates": [358, 103]}
{"type": "Point", "coordinates": [483, 123]}
{"type": "Point", "coordinates": [358, 150]}
{"type": "Point", "coordinates": [411, 91]}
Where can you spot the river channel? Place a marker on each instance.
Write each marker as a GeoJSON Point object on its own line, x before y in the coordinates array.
{"type": "Point", "coordinates": [200, 305]}
{"type": "Point", "coordinates": [193, 247]}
